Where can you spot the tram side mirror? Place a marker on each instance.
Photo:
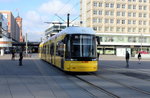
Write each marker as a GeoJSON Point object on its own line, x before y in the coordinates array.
{"type": "Point", "coordinates": [98, 39]}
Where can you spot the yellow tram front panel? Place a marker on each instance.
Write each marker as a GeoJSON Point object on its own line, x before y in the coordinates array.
{"type": "Point", "coordinates": [81, 66]}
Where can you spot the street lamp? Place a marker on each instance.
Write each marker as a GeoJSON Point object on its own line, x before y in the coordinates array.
{"type": "Point", "coordinates": [26, 45]}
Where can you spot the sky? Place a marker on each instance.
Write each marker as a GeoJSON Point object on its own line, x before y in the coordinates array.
{"type": "Point", "coordinates": [36, 12]}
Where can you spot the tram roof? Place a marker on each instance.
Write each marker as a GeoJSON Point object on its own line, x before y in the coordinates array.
{"type": "Point", "coordinates": [73, 30]}
{"type": "Point", "coordinates": [77, 30]}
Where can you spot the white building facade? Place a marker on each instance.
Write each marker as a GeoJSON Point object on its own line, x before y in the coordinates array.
{"type": "Point", "coordinates": [122, 24]}
{"type": "Point", "coordinates": [5, 41]}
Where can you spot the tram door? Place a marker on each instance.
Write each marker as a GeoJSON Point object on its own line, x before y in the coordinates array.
{"type": "Point", "coordinates": [52, 53]}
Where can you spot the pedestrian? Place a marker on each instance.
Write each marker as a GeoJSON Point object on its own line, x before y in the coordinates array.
{"type": "Point", "coordinates": [20, 58]}
{"type": "Point", "coordinates": [139, 58]}
{"type": "Point", "coordinates": [13, 55]}
{"type": "Point", "coordinates": [127, 59]}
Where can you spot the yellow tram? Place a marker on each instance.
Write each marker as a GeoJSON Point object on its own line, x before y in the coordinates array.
{"type": "Point", "coordinates": [73, 50]}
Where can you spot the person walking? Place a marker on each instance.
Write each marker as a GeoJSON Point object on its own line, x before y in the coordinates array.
{"type": "Point", "coordinates": [20, 58]}
{"type": "Point", "coordinates": [127, 59]}
{"type": "Point", "coordinates": [139, 58]}
{"type": "Point", "coordinates": [13, 55]}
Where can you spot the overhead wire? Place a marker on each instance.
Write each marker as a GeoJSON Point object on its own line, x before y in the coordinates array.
{"type": "Point", "coordinates": [69, 11]}
{"type": "Point", "coordinates": [61, 10]}
{"type": "Point", "coordinates": [63, 6]}
{"type": "Point", "coordinates": [74, 6]}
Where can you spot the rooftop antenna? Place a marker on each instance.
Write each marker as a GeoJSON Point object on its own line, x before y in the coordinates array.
{"type": "Point", "coordinates": [17, 10]}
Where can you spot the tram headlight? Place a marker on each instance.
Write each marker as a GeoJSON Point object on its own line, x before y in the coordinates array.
{"type": "Point", "coordinates": [73, 59]}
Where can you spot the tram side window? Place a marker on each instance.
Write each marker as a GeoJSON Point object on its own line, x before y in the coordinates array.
{"type": "Point", "coordinates": [49, 48]}
{"type": "Point", "coordinates": [52, 49]}
{"type": "Point", "coordinates": [44, 50]}
{"type": "Point", "coordinates": [57, 52]}
{"type": "Point", "coordinates": [60, 48]}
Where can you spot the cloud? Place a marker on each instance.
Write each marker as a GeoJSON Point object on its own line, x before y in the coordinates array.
{"type": "Point", "coordinates": [33, 25]}
{"type": "Point", "coordinates": [33, 21]}
{"type": "Point", "coordinates": [55, 6]}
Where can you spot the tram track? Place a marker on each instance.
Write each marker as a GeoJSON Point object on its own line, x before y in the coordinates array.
{"type": "Point", "coordinates": [122, 84]}
{"type": "Point", "coordinates": [135, 72]}
{"type": "Point", "coordinates": [96, 87]}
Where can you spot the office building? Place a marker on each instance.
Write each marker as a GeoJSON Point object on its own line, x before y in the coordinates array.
{"type": "Point", "coordinates": [13, 33]}
{"type": "Point", "coordinates": [14, 25]}
{"type": "Point", "coordinates": [5, 41]}
{"type": "Point", "coordinates": [121, 24]}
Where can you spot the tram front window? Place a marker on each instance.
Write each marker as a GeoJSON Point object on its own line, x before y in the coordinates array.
{"type": "Point", "coordinates": [83, 46]}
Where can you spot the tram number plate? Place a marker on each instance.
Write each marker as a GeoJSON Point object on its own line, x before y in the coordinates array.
{"type": "Point", "coordinates": [84, 61]}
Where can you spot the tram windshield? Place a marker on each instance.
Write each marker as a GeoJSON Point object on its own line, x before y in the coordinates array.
{"type": "Point", "coordinates": [83, 45]}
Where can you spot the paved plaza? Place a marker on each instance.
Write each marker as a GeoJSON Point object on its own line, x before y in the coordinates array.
{"type": "Point", "coordinates": [37, 79]}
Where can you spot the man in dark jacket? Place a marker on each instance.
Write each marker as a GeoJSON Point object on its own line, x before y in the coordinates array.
{"type": "Point", "coordinates": [127, 59]}
{"type": "Point", "coordinates": [20, 58]}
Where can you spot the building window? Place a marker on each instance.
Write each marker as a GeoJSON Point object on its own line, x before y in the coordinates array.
{"type": "Point", "coordinates": [123, 6]}
{"type": "Point", "coordinates": [145, 7]}
{"type": "Point", "coordinates": [95, 12]}
{"type": "Point", "coordinates": [106, 12]}
{"type": "Point", "coordinates": [140, 7]}
{"type": "Point", "coordinates": [118, 29]}
{"type": "Point", "coordinates": [112, 5]}
{"type": "Point", "coordinates": [106, 28]}
{"type": "Point", "coordinates": [140, 14]}
{"type": "Point", "coordinates": [112, 13]}
{"type": "Point", "coordinates": [140, 0]}
{"type": "Point", "coordinates": [144, 15]}
{"type": "Point", "coordinates": [95, 4]}
{"type": "Point", "coordinates": [107, 5]}
{"type": "Point", "coordinates": [123, 30]}
{"type": "Point", "coordinates": [129, 21]}
{"type": "Point", "coordinates": [94, 20]}
{"type": "Point", "coordinates": [140, 30]}
{"type": "Point", "coordinates": [140, 22]}
{"type": "Point", "coordinates": [118, 21]}
{"type": "Point", "coordinates": [129, 6]}
{"type": "Point", "coordinates": [100, 28]}
{"type": "Point", "coordinates": [123, 13]}
{"type": "Point", "coordinates": [120, 39]}
{"type": "Point", "coordinates": [144, 30]}
{"type": "Point", "coordinates": [129, 29]}
{"type": "Point", "coordinates": [123, 21]}
{"type": "Point", "coordinates": [100, 12]}
{"type": "Point", "coordinates": [129, 14]}
{"type": "Point", "coordinates": [111, 20]}
{"type": "Point", "coordinates": [118, 13]}
{"type": "Point", "coordinates": [144, 22]}
{"type": "Point", "coordinates": [106, 21]}
{"type": "Point", "coordinates": [118, 5]}
{"type": "Point", "coordinates": [134, 6]}
{"type": "Point", "coordinates": [100, 20]}
{"type": "Point", "coordinates": [95, 28]}
{"type": "Point", "coordinates": [134, 14]}
{"type": "Point", "coordinates": [111, 28]}
{"type": "Point", "coordinates": [109, 39]}
{"type": "Point", "coordinates": [100, 4]}
{"type": "Point", "coordinates": [131, 39]}
{"type": "Point", "coordinates": [134, 21]}
{"type": "Point", "coordinates": [134, 29]}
